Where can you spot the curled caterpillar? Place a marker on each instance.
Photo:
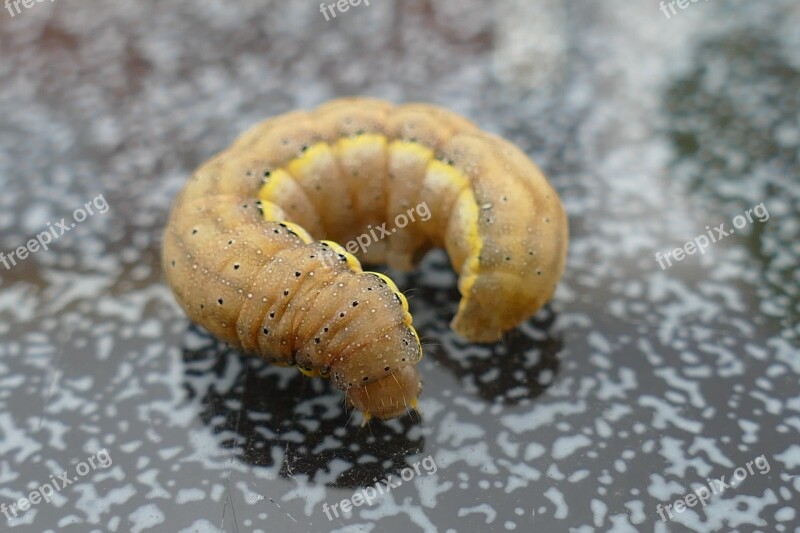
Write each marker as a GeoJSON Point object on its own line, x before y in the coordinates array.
{"type": "Point", "coordinates": [251, 253]}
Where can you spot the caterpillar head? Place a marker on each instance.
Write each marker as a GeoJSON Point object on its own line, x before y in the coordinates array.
{"type": "Point", "coordinates": [389, 396]}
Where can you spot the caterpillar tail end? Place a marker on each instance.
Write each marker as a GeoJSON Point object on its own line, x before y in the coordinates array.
{"type": "Point", "coordinates": [478, 318]}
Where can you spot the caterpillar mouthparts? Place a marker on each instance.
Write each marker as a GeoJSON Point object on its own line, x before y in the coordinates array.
{"type": "Point", "coordinates": [251, 247]}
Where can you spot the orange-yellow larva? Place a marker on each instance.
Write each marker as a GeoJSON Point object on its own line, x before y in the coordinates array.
{"type": "Point", "coordinates": [251, 251]}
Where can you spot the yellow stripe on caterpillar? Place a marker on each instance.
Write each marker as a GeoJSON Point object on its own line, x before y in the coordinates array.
{"type": "Point", "coordinates": [300, 231]}
{"type": "Point", "coordinates": [393, 287]}
{"type": "Point", "coordinates": [299, 166]}
{"type": "Point", "coordinates": [278, 178]}
{"type": "Point", "coordinates": [312, 373]}
{"type": "Point", "coordinates": [411, 148]}
{"type": "Point", "coordinates": [364, 140]}
{"type": "Point", "coordinates": [449, 173]}
{"type": "Point", "coordinates": [352, 261]}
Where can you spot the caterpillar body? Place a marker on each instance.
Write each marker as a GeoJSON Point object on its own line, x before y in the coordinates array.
{"type": "Point", "coordinates": [250, 250]}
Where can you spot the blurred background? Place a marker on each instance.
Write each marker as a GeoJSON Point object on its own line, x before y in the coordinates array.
{"type": "Point", "coordinates": [631, 389]}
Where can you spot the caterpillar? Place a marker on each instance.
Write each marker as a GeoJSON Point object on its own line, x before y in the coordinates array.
{"type": "Point", "coordinates": [251, 248]}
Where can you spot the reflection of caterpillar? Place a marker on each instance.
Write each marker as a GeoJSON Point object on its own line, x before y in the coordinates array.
{"type": "Point", "coordinates": [241, 254]}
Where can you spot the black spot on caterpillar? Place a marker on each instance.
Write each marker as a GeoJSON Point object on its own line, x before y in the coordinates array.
{"type": "Point", "coordinates": [251, 251]}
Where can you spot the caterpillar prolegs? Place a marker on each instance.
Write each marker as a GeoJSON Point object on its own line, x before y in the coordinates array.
{"type": "Point", "coordinates": [251, 253]}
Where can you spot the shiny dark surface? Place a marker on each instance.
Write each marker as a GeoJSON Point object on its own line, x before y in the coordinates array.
{"type": "Point", "coordinates": [633, 387]}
